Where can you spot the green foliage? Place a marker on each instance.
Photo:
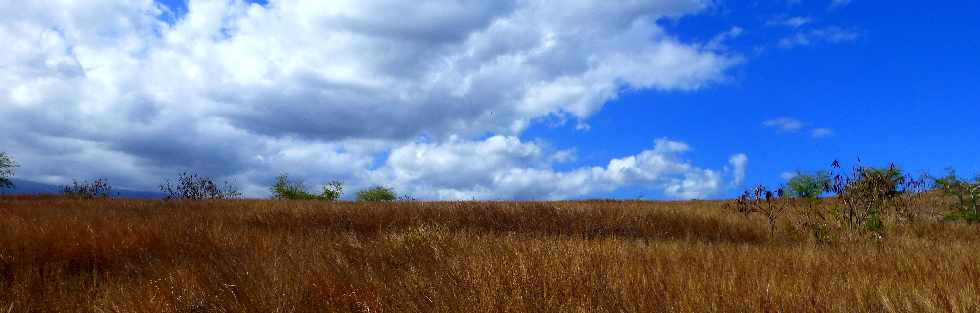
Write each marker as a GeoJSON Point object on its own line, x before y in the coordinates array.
{"type": "Point", "coordinates": [286, 189]}
{"type": "Point", "coordinates": [884, 180]}
{"type": "Point", "coordinates": [332, 191]}
{"type": "Point", "coordinates": [808, 186]}
{"type": "Point", "coordinates": [873, 222]}
{"type": "Point", "coordinates": [865, 200]}
{"type": "Point", "coordinates": [377, 193]}
{"type": "Point", "coordinates": [967, 216]}
{"type": "Point", "coordinates": [866, 192]}
{"type": "Point", "coordinates": [99, 188]}
{"type": "Point", "coordinates": [966, 193]}
{"type": "Point", "coordinates": [7, 165]}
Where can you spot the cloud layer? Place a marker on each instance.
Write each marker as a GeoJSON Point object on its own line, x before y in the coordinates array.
{"type": "Point", "coordinates": [342, 89]}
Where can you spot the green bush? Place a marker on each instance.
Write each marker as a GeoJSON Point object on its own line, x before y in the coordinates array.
{"type": "Point", "coordinates": [377, 193]}
{"type": "Point", "coordinates": [286, 189]}
{"type": "Point", "coordinates": [7, 165]}
{"type": "Point", "coordinates": [967, 216]}
{"type": "Point", "coordinates": [966, 193]}
{"type": "Point", "coordinates": [808, 186]}
{"type": "Point", "coordinates": [867, 192]}
{"type": "Point", "coordinates": [332, 191]}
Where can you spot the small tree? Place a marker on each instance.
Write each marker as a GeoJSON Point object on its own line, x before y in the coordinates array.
{"type": "Point", "coordinates": [805, 191]}
{"type": "Point", "coordinates": [332, 191]}
{"type": "Point", "coordinates": [286, 189]}
{"type": "Point", "coordinates": [966, 193]}
{"type": "Point", "coordinates": [866, 193]}
{"type": "Point", "coordinates": [189, 186]}
{"type": "Point", "coordinates": [760, 200]}
{"type": "Point", "coordinates": [377, 193]}
{"type": "Point", "coordinates": [7, 166]}
{"type": "Point", "coordinates": [808, 186]}
{"type": "Point", "coordinates": [99, 188]}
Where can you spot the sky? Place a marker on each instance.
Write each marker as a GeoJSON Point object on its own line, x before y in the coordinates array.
{"type": "Point", "coordinates": [510, 99]}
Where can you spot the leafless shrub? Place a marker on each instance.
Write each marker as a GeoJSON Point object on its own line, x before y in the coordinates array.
{"type": "Point", "coordinates": [189, 186]}
{"type": "Point", "coordinates": [760, 200]}
{"type": "Point", "coordinates": [99, 188]}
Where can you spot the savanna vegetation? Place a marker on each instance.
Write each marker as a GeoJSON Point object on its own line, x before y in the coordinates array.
{"type": "Point", "coordinates": [287, 189]}
{"type": "Point", "coordinates": [857, 240]}
{"type": "Point", "coordinates": [376, 194]}
{"type": "Point", "coordinates": [7, 166]}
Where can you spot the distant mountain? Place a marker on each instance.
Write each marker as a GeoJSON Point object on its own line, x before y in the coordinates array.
{"type": "Point", "coordinates": [26, 187]}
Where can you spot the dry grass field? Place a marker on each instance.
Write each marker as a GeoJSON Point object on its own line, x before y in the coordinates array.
{"type": "Point", "coordinates": [66, 255]}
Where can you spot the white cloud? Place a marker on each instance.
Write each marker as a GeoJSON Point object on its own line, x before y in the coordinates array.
{"type": "Point", "coordinates": [822, 132]}
{"type": "Point", "coordinates": [786, 124]}
{"type": "Point", "coordinates": [738, 164]}
{"type": "Point", "coordinates": [791, 22]}
{"type": "Point", "coordinates": [330, 88]}
{"type": "Point", "coordinates": [788, 175]}
{"type": "Point", "coordinates": [503, 166]}
{"type": "Point", "coordinates": [793, 125]}
{"type": "Point", "coordinates": [718, 42]}
{"type": "Point", "coordinates": [832, 34]}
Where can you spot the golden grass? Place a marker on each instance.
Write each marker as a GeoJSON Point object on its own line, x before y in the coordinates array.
{"type": "Point", "coordinates": [64, 255]}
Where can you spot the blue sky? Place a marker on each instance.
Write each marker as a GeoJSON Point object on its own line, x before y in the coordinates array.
{"type": "Point", "coordinates": [665, 99]}
{"type": "Point", "coordinates": [905, 91]}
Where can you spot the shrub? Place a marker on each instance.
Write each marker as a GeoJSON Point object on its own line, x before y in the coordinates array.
{"type": "Point", "coordinates": [332, 191]}
{"type": "Point", "coordinates": [7, 165]}
{"type": "Point", "coordinates": [377, 193]}
{"type": "Point", "coordinates": [99, 188]}
{"type": "Point", "coordinates": [808, 186]}
{"type": "Point", "coordinates": [189, 186]}
{"type": "Point", "coordinates": [286, 189]}
{"type": "Point", "coordinates": [864, 193]}
{"type": "Point", "coordinates": [762, 201]}
{"type": "Point", "coordinates": [865, 199]}
{"type": "Point", "coordinates": [966, 193]}
{"type": "Point", "coordinates": [805, 191]}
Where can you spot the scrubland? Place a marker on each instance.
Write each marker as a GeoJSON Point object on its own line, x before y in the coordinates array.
{"type": "Point", "coordinates": [60, 254]}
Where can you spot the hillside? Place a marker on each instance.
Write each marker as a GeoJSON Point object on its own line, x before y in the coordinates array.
{"type": "Point", "coordinates": [26, 187]}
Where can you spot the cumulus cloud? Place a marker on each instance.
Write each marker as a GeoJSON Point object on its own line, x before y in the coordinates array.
{"type": "Point", "coordinates": [335, 88]}
{"type": "Point", "coordinates": [503, 166]}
